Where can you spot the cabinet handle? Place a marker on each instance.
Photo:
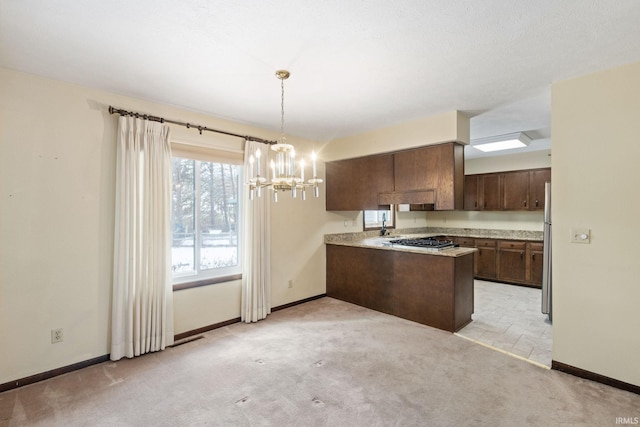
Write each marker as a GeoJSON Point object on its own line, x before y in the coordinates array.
{"type": "Point", "coordinates": [533, 257]}
{"type": "Point", "coordinates": [524, 203]}
{"type": "Point", "coordinates": [521, 255]}
{"type": "Point", "coordinates": [475, 204]}
{"type": "Point", "coordinates": [537, 204]}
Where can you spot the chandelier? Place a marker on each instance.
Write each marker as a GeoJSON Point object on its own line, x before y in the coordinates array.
{"type": "Point", "coordinates": [286, 173]}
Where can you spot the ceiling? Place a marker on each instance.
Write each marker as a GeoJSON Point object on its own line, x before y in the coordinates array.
{"type": "Point", "coordinates": [355, 65]}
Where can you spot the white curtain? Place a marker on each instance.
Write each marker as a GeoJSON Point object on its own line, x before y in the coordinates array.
{"type": "Point", "coordinates": [142, 310]}
{"type": "Point", "coordinates": [256, 274]}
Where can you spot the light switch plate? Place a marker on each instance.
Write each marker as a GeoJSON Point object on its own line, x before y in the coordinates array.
{"type": "Point", "coordinates": [580, 235]}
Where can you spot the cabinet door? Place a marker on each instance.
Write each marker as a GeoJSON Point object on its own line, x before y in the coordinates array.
{"type": "Point", "coordinates": [411, 169]}
{"type": "Point", "coordinates": [535, 269]}
{"type": "Point", "coordinates": [537, 178]}
{"type": "Point", "coordinates": [515, 190]}
{"type": "Point", "coordinates": [437, 167]}
{"type": "Point", "coordinates": [512, 262]}
{"type": "Point", "coordinates": [490, 200]}
{"type": "Point", "coordinates": [374, 174]}
{"type": "Point", "coordinates": [337, 185]}
{"type": "Point", "coordinates": [471, 201]}
{"type": "Point", "coordinates": [486, 263]}
{"type": "Point", "coordinates": [354, 184]}
{"type": "Point", "coordinates": [360, 276]}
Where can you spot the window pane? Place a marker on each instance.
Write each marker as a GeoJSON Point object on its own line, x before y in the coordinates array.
{"type": "Point", "coordinates": [183, 217]}
{"type": "Point", "coordinates": [218, 216]}
{"type": "Point", "coordinates": [205, 219]}
{"type": "Point", "coordinates": [373, 219]}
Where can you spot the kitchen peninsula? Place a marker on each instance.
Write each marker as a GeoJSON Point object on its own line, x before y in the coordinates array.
{"type": "Point", "coordinates": [434, 288]}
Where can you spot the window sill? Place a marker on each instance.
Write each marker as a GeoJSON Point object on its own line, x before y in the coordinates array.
{"type": "Point", "coordinates": [377, 228]}
{"type": "Point", "coordinates": [206, 282]}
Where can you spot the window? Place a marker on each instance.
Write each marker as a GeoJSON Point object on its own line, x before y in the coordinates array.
{"type": "Point", "coordinates": [205, 221]}
{"type": "Point", "coordinates": [373, 219]}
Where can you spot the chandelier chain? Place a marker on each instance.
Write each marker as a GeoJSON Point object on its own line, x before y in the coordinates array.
{"type": "Point", "coordinates": [282, 109]}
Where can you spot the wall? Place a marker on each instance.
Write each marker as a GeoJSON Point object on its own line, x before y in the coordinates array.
{"type": "Point", "coordinates": [496, 220]}
{"type": "Point", "coordinates": [57, 166]}
{"type": "Point", "coordinates": [445, 127]}
{"type": "Point", "coordinates": [595, 180]}
{"type": "Point", "coordinates": [508, 162]}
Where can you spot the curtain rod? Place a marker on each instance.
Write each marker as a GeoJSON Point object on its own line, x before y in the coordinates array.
{"type": "Point", "coordinates": [200, 128]}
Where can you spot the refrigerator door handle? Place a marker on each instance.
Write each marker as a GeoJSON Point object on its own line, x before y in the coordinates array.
{"type": "Point", "coordinates": [546, 257]}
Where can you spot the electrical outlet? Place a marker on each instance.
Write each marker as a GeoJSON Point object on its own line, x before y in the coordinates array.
{"type": "Point", "coordinates": [57, 335]}
{"type": "Point", "coordinates": [290, 283]}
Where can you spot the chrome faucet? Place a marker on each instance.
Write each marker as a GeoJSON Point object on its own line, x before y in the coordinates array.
{"type": "Point", "coordinates": [383, 230]}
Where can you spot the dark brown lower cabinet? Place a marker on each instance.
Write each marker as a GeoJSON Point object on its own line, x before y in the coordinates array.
{"type": "Point", "coordinates": [509, 261]}
{"type": "Point", "coordinates": [486, 259]}
{"type": "Point", "coordinates": [430, 289]}
{"type": "Point", "coordinates": [535, 260]}
{"type": "Point", "coordinates": [512, 263]}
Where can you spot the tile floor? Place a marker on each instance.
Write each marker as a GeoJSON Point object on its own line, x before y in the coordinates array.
{"type": "Point", "coordinates": [508, 317]}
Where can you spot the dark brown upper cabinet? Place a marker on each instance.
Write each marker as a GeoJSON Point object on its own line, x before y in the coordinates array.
{"type": "Point", "coordinates": [434, 168]}
{"type": "Point", "coordinates": [511, 191]}
{"type": "Point", "coordinates": [471, 193]}
{"type": "Point", "coordinates": [537, 179]}
{"type": "Point", "coordinates": [430, 177]}
{"type": "Point", "coordinates": [482, 192]}
{"type": "Point", "coordinates": [354, 184]}
{"type": "Point", "coordinates": [515, 191]}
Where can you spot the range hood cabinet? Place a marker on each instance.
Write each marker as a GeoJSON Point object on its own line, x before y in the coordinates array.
{"type": "Point", "coordinates": [431, 177]}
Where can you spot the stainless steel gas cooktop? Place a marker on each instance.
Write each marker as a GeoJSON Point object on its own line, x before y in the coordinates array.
{"type": "Point", "coordinates": [429, 243]}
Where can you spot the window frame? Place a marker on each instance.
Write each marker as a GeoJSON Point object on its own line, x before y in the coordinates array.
{"type": "Point", "coordinates": [391, 224]}
{"type": "Point", "coordinates": [225, 274]}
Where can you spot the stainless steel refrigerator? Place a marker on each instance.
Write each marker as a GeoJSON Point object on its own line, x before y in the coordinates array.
{"type": "Point", "coordinates": [546, 264]}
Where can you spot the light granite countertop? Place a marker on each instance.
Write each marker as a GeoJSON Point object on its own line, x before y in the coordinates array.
{"type": "Point", "coordinates": [373, 240]}
{"type": "Point", "coordinates": [483, 233]}
{"type": "Point", "coordinates": [384, 243]}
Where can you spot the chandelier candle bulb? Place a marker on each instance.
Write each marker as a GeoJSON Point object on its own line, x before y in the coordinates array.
{"type": "Point", "coordinates": [302, 172]}
{"type": "Point", "coordinates": [313, 160]}
{"type": "Point", "coordinates": [251, 160]}
{"type": "Point", "coordinates": [287, 167]}
{"type": "Point", "coordinates": [292, 163]}
{"type": "Point", "coordinates": [273, 170]}
{"type": "Point", "coordinates": [280, 163]}
{"type": "Point", "coordinates": [258, 155]}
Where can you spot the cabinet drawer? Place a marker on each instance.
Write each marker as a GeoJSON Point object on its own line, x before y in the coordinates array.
{"type": "Point", "coordinates": [465, 242]}
{"type": "Point", "coordinates": [535, 246]}
{"type": "Point", "coordinates": [485, 243]}
{"type": "Point", "coordinates": [512, 245]}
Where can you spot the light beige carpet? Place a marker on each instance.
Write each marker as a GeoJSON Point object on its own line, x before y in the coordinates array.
{"type": "Point", "coordinates": [323, 363]}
